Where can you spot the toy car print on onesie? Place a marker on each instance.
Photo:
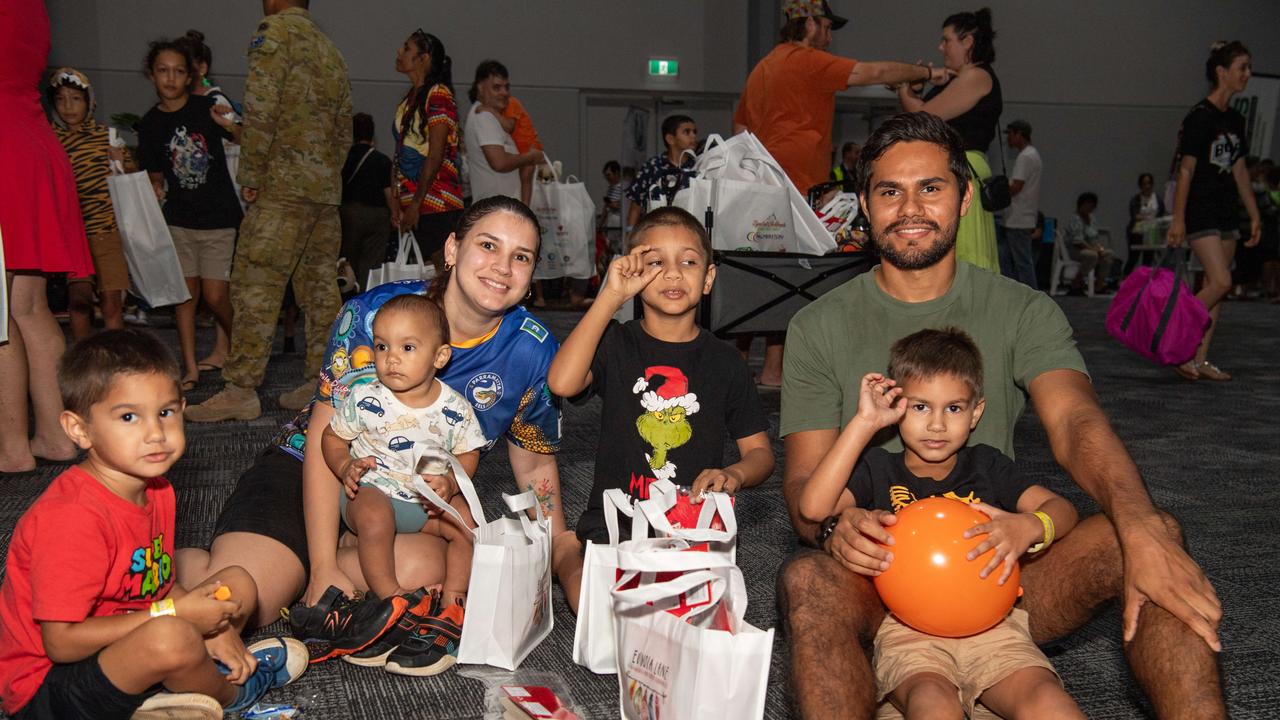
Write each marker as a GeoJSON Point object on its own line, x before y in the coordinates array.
{"type": "Point", "coordinates": [930, 585]}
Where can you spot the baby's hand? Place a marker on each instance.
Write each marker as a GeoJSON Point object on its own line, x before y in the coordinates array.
{"type": "Point", "coordinates": [442, 485]}
{"type": "Point", "coordinates": [1009, 533]}
{"type": "Point", "coordinates": [628, 275]}
{"type": "Point", "coordinates": [714, 480]}
{"type": "Point", "coordinates": [353, 471]}
{"type": "Point", "coordinates": [878, 403]}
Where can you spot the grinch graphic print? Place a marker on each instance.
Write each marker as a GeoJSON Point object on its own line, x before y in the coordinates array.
{"type": "Point", "coordinates": [671, 410]}
{"type": "Point", "coordinates": [665, 424]}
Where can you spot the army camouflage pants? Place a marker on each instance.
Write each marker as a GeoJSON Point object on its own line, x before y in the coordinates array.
{"type": "Point", "coordinates": [280, 239]}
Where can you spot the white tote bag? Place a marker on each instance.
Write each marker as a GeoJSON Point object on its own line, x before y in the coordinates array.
{"type": "Point", "coordinates": [567, 216]}
{"type": "Point", "coordinates": [509, 597]}
{"type": "Point", "coordinates": [593, 641]}
{"type": "Point", "coordinates": [593, 646]}
{"type": "Point", "coordinates": [746, 215]}
{"type": "Point", "coordinates": [785, 223]}
{"type": "Point", "coordinates": [407, 265]}
{"type": "Point", "coordinates": [707, 662]}
{"type": "Point", "coordinates": [148, 248]}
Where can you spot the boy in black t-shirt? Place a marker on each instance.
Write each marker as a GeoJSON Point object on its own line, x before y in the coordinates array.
{"type": "Point", "coordinates": [671, 390]}
{"type": "Point", "coordinates": [934, 395]}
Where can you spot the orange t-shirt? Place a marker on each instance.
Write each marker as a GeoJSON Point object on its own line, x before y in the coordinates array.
{"type": "Point", "coordinates": [790, 103]}
{"type": "Point", "coordinates": [524, 134]}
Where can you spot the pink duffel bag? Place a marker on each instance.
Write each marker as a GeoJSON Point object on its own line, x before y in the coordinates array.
{"type": "Point", "coordinates": [1156, 315]}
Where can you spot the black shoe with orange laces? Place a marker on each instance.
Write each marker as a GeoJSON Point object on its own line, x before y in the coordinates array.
{"type": "Point", "coordinates": [344, 626]}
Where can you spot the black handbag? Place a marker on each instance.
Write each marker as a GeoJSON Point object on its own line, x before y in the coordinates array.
{"type": "Point", "coordinates": [994, 191]}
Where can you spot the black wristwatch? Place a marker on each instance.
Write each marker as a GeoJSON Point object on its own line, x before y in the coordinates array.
{"type": "Point", "coordinates": [827, 527]}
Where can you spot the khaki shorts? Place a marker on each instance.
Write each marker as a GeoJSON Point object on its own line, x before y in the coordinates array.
{"type": "Point", "coordinates": [109, 267]}
{"type": "Point", "coordinates": [205, 253]}
{"type": "Point", "coordinates": [972, 664]}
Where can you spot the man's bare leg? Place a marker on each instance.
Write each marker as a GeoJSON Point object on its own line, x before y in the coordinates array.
{"type": "Point", "coordinates": [1062, 590]}
{"type": "Point", "coordinates": [830, 617]}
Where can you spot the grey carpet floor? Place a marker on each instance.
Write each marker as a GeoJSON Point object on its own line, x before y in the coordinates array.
{"type": "Point", "coordinates": [1208, 452]}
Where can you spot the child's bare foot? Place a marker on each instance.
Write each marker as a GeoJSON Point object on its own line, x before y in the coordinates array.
{"type": "Point", "coordinates": [189, 380]}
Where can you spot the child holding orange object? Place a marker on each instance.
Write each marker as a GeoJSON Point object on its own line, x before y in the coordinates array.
{"type": "Point", "coordinates": [934, 395]}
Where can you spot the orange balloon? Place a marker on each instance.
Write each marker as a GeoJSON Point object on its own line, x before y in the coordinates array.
{"type": "Point", "coordinates": [930, 584]}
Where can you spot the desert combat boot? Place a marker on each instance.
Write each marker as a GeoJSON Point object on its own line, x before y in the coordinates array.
{"type": "Point", "coordinates": [231, 403]}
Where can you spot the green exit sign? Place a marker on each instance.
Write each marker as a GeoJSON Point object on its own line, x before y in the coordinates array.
{"type": "Point", "coordinates": [668, 68]}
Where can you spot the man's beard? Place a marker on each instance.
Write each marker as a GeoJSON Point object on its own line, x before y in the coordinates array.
{"type": "Point", "coordinates": [917, 258]}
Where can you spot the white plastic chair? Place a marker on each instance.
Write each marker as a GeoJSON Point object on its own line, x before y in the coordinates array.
{"type": "Point", "coordinates": [1064, 268]}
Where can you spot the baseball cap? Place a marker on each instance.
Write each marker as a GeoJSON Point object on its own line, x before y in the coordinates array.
{"type": "Point", "coordinates": [793, 9]}
{"type": "Point", "coordinates": [1022, 127]}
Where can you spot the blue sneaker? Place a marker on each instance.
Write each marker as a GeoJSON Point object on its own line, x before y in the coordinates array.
{"type": "Point", "coordinates": [280, 661]}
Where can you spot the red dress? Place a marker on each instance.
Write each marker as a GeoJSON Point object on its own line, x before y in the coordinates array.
{"type": "Point", "coordinates": [39, 212]}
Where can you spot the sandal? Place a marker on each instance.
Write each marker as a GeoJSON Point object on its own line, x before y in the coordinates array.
{"type": "Point", "coordinates": [1188, 370]}
{"type": "Point", "coordinates": [1209, 371]}
{"type": "Point", "coordinates": [207, 367]}
{"type": "Point", "coordinates": [188, 385]}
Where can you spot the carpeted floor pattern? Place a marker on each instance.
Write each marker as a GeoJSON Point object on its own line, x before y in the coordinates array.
{"type": "Point", "coordinates": [1208, 452]}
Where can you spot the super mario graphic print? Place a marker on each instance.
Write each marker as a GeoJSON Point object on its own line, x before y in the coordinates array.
{"type": "Point", "coordinates": [669, 411]}
{"type": "Point", "coordinates": [150, 570]}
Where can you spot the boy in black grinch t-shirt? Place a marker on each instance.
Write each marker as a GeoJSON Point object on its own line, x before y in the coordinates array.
{"type": "Point", "coordinates": [672, 392]}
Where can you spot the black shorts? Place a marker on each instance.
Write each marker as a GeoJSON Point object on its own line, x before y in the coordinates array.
{"type": "Point", "coordinates": [1203, 221]}
{"type": "Point", "coordinates": [268, 501]}
{"type": "Point", "coordinates": [81, 690]}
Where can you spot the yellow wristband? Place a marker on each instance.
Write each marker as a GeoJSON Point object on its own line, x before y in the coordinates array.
{"type": "Point", "coordinates": [1049, 532]}
{"type": "Point", "coordinates": [163, 607]}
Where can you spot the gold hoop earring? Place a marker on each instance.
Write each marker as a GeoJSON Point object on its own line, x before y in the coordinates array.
{"type": "Point", "coordinates": [528, 294]}
{"type": "Point", "coordinates": [448, 267]}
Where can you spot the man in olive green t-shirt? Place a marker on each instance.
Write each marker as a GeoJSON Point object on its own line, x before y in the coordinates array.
{"type": "Point", "coordinates": [913, 180]}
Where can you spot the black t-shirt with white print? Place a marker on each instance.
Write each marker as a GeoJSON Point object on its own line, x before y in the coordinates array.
{"type": "Point", "coordinates": [668, 409]}
{"type": "Point", "coordinates": [186, 145]}
{"type": "Point", "coordinates": [1216, 139]}
{"type": "Point", "coordinates": [881, 480]}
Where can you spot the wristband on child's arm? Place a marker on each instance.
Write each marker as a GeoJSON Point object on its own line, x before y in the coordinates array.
{"type": "Point", "coordinates": [1048, 532]}
{"type": "Point", "coordinates": [163, 607]}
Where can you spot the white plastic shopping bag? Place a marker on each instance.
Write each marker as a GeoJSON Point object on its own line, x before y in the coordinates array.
{"type": "Point", "coordinates": [593, 641]}
{"type": "Point", "coordinates": [745, 215]}
{"type": "Point", "coordinates": [684, 651]}
{"type": "Point", "coordinates": [409, 264]}
{"type": "Point", "coordinates": [148, 248]}
{"type": "Point", "coordinates": [567, 216]}
{"type": "Point", "coordinates": [509, 597]}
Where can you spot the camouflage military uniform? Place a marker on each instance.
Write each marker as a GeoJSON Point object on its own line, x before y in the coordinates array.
{"type": "Point", "coordinates": [297, 127]}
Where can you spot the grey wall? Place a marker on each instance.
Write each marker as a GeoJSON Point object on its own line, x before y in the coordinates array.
{"type": "Point", "coordinates": [1103, 83]}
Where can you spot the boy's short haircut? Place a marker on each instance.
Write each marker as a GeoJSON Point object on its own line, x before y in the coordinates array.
{"type": "Point", "coordinates": [90, 367]}
{"type": "Point", "coordinates": [362, 127]}
{"type": "Point", "coordinates": [613, 166]}
{"type": "Point", "coordinates": [672, 124]}
{"type": "Point", "coordinates": [423, 306]}
{"type": "Point", "coordinates": [1086, 197]}
{"type": "Point", "coordinates": [929, 353]}
{"type": "Point", "coordinates": [670, 216]}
